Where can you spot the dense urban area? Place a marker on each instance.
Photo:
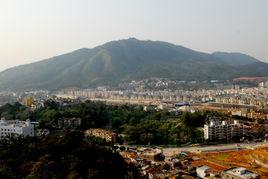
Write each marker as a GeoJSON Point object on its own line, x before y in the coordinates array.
{"type": "Point", "coordinates": [219, 130]}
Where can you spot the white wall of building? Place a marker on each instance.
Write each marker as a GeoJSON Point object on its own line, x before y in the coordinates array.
{"type": "Point", "coordinates": [16, 127]}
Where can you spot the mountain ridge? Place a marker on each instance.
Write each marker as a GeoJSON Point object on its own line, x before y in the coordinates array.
{"type": "Point", "coordinates": [235, 58]}
{"type": "Point", "coordinates": [128, 59]}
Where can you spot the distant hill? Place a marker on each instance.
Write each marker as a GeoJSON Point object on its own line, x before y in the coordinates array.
{"type": "Point", "coordinates": [129, 59]}
{"type": "Point", "coordinates": [256, 69]}
{"type": "Point", "coordinates": [235, 59]}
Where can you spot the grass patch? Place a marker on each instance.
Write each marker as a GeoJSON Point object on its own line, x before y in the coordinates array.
{"type": "Point", "coordinates": [222, 156]}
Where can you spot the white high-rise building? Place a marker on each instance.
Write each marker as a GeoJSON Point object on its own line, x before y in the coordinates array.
{"type": "Point", "coordinates": [217, 129]}
{"type": "Point", "coordinates": [15, 127]}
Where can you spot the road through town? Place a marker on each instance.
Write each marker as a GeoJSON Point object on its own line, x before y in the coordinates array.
{"type": "Point", "coordinates": [210, 148]}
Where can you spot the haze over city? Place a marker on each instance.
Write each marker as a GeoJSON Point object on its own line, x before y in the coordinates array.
{"type": "Point", "coordinates": [140, 89]}
{"type": "Point", "coordinates": [34, 30]}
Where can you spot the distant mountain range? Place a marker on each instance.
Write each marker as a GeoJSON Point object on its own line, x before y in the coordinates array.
{"type": "Point", "coordinates": [126, 60]}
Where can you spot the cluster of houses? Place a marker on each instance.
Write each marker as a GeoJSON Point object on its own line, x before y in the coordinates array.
{"type": "Point", "coordinates": [250, 113]}
{"type": "Point", "coordinates": [153, 164]}
{"type": "Point", "coordinates": [231, 173]}
{"type": "Point", "coordinates": [10, 128]}
{"type": "Point", "coordinates": [256, 96]}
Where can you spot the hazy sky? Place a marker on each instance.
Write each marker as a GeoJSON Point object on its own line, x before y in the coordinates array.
{"type": "Point", "coordinates": [32, 30]}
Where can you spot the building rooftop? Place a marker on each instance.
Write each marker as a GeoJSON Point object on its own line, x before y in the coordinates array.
{"type": "Point", "coordinates": [203, 168]}
{"type": "Point", "coordinates": [14, 123]}
{"type": "Point", "coordinates": [241, 172]}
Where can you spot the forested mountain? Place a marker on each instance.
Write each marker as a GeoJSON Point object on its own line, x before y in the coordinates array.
{"type": "Point", "coordinates": [125, 60]}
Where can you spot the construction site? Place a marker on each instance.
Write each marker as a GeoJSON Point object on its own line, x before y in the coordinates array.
{"type": "Point", "coordinates": [253, 159]}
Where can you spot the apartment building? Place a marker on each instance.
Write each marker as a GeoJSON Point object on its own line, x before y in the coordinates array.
{"type": "Point", "coordinates": [217, 129]}
{"type": "Point", "coordinates": [69, 123]}
{"type": "Point", "coordinates": [15, 127]}
{"type": "Point", "coordinates": [109, 136]}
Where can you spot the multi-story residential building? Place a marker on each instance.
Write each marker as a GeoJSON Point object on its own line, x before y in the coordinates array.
{"type": "Point", "coordinates": [217, 129]}
{"type": "Point", "coordinates": [109, 136]}
{"type": "Point", "coordinates": [16, 127]}
{"type": "Point", "coordinates": [69, 123]}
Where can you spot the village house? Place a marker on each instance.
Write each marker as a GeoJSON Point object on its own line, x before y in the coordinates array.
{"type": "Point", "coordinates": [238, 173]}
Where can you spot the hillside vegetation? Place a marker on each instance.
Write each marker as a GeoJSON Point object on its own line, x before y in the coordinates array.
{"type": "Point", "coordinates": [64, 155]}
{"type": "Point", "coordinates": [126, 60]}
